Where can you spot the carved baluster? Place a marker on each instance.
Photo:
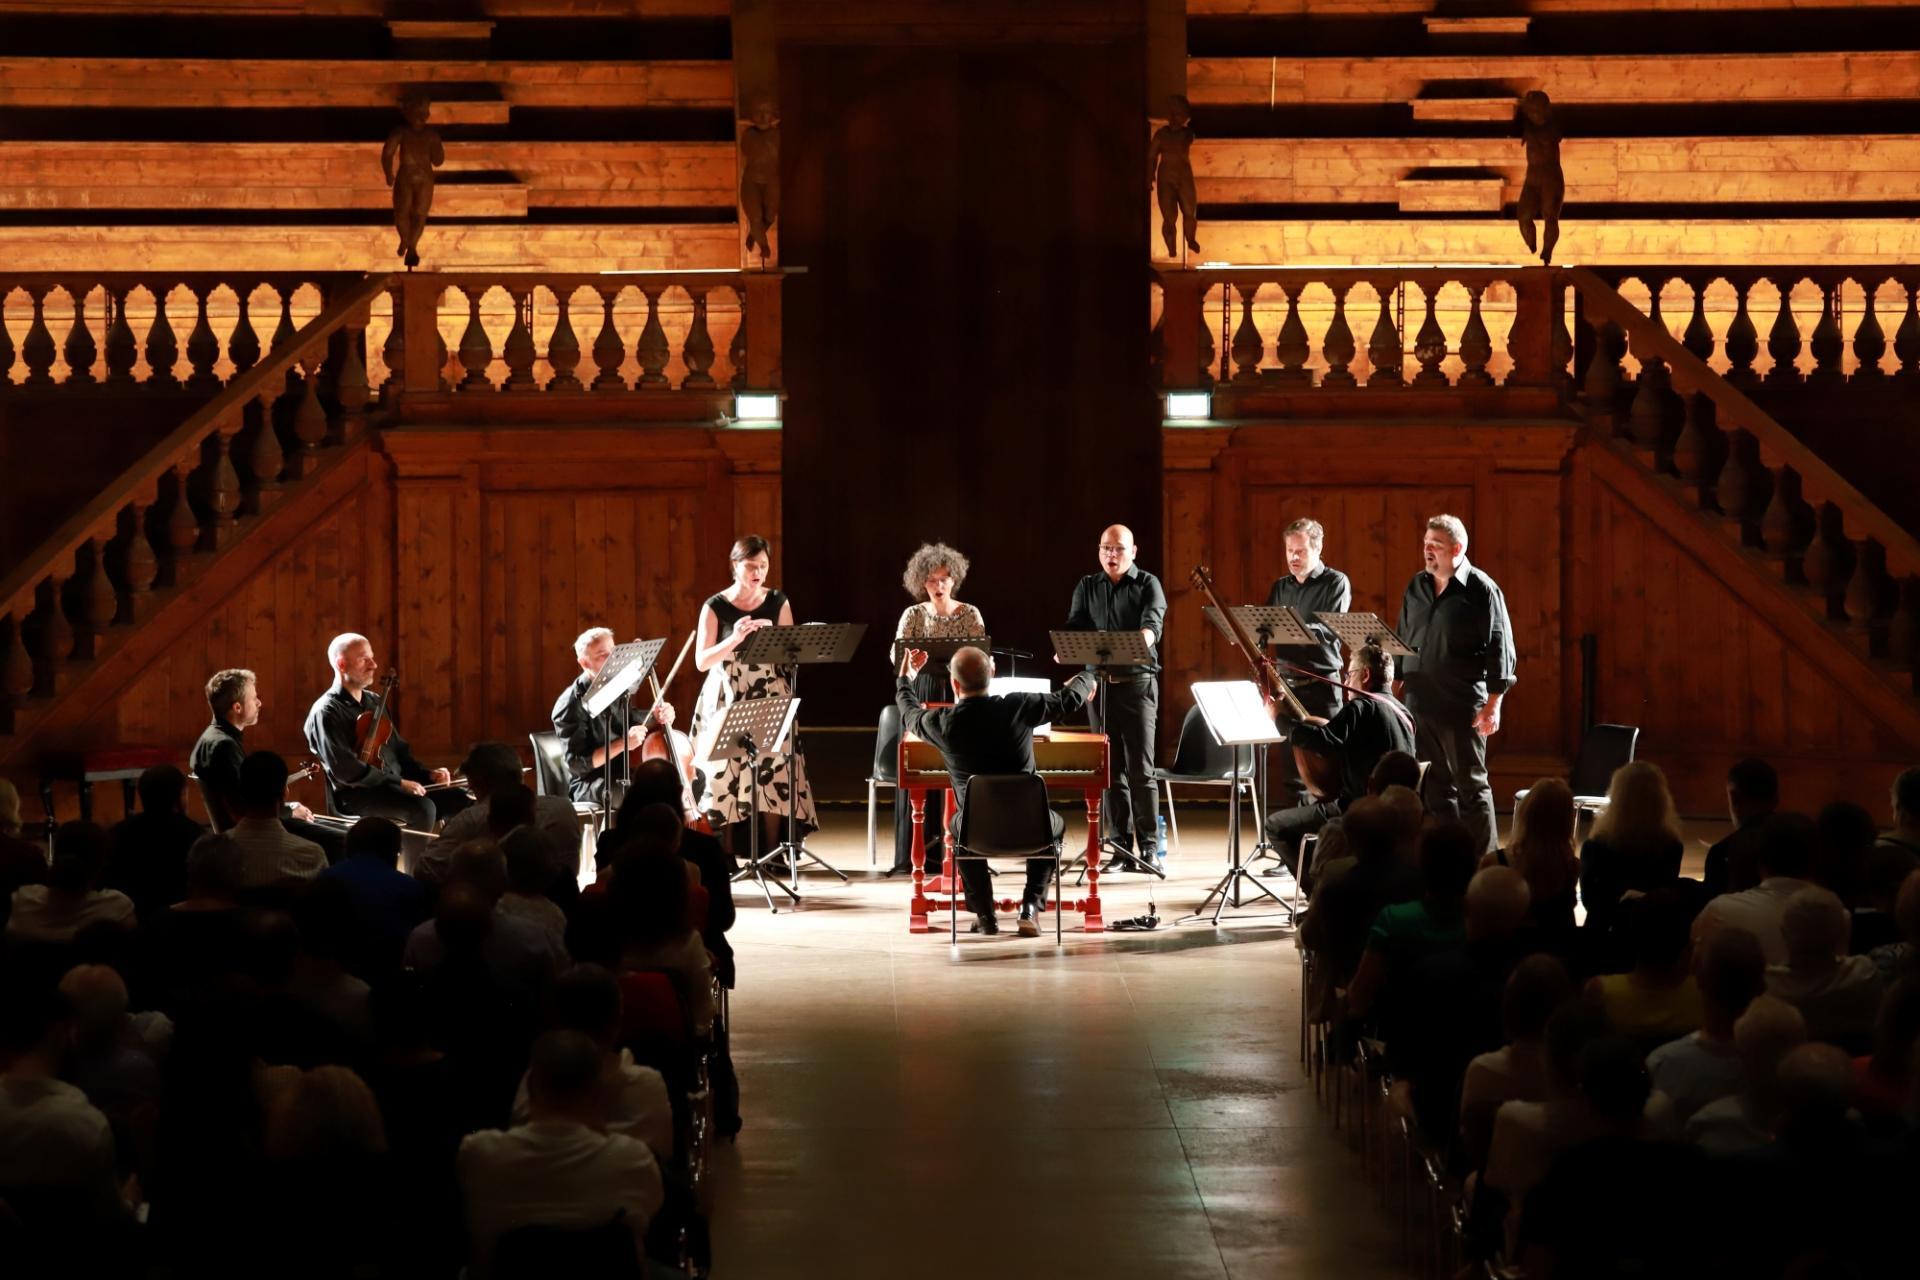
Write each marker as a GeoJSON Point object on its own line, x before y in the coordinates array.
{"type": "Point", "coordinates": [16, 664]}
{"type": "Point", "coordinates": [737, 349]}
{"type": "Point", "coordinates": [1744, 485]}
{"type": "Point", "coordinates": [1865, 592]}
{"type": "Point", "coordinates": [123, 349]}
{"type": "Point", "coordinates": [652, 350]}
{"type": "Point", "coordinates": [697, 353]}
{"type": "Point", "coordinates": [6, 343]}
{"type": "Point", "coordinates": [1869, 342]}
{"type": "Point", "coordinates": [1205, 345]}
{"type": "Point", "coordinates": [1248, 347]}
{"type": "Point", "coordinates": [98, 600]}
{"type": "Point", "coordinates": [139, 565]}
{"type": "Point", "coordinates": [1827, 344]}
{"type": "Point", "coordinates": [163, 349]}
{"type": "Point", "coordinates": [1383, 346]}
{"type": "Point", "coordinates": [1906, 339]}
{"type": "Point", "coordinates": [1697, 448]}
{"type": "Point", "coordinates": [517, 350]}
{"type": "Point", "coordinates": [268, 459]}
{"type": "Point", "coordinates": [309, 417]}
{"type": "Point", "coordinates": [440, 353]}
{"type": "Point", "coordinates": [183, 523]}
{"type": "Point", "coordinates": [476, 350]}
{"type": "Point", "coordinates": [1783, 340]}
{"type": "Point", "coordinates": [1647, 416]}
{"type": "Point", "coordinates": [203, 348]}
{"type": "Point", "coordinates": [1780, 523]}
{"type": "Point", "coordinates": [1828, 560]}
{"type": "Point", "coordinates": [393, 353]}
{"type": "Point", "coordinates": [1157, 349]}
{"type": "Point", "coordinates": [563, 347]}
{"type": "Point", "coordinates": [37, 349]}
{"type": "Point", "coordinates": [1601, 388]}
{"type": "Point", "coordinates": [284, 331]}
{"type": "Point", "coordinates": [57, 643]}
{"type": "Point", "coordinates": [1743, 340]}
{"type": "Point", "coordinates": [1698, 337]}
{"type": "Point", "coordinates": [79, 349]}
{"type": "Point", "coordinates": [243, 344]}
{"type": "Point", "coordinates": [1476, 346]}
{"type": "Point", "coordinates": [1654, 285]}
{"type": "Point", "coordinates": [350, 388]}
{"type": "Point", "coordinates": [609, 352]}
{"type": "Point", "coordinates": [1430, 345]}
{"type": "Point", "coordinates": [223, 484]}
{"type": "Point", "coordinates": [1339, 348]}
{"type": "Point", "coordinates": [1290, 346]}
{"type": "Point", "coordinates": [1903, 626]}
{"type": "Point", "coordinates": [1560, 340]}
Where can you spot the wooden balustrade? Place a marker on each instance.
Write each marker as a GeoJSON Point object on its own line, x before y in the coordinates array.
{"type": "Point", "coordinates": [159, 520]}
{"type": "Point", "coordinates": [115, 330]}
{"type": "Point", "coordinates": [1738, 463]}
{"type": "Point", "coordinates": [1423, 328]}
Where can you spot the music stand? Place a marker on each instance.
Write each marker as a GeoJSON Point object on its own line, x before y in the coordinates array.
{"type": "Point", "coordinates": [791, 648]}
{"type": "Point", "coordinates": [1356, 629]}
{"type": "Point", "coordinates": [625, 668]}
{"type": "Point", "coordinates": [751, 728]}
{"type": "Point", "coordinates": [1236, 716]}
{"type": "Point", "coordinates": [1270, 624]}
{"type": "Point", "coordinates": [938, 649]}
{"type": "Point", "coordinates": [1108, 651]}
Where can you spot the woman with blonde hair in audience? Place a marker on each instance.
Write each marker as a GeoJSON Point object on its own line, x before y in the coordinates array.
{"type": "Point", "coordinates": [1635, 845]}
{"type": "Point", "coordinates": [1541, 849]}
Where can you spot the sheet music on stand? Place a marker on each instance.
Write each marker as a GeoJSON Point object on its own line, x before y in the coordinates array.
{"type": "Point", "coordinates": [1356, 629]}
{"type": "Point", "coordinates": [1270, 624]}
{"type": "Point", "coordinates": [626, 667]}
{"type": "Point", "coordinates": [1236, 716]}
{"type": "Point", "coordinates": [1107, 650]}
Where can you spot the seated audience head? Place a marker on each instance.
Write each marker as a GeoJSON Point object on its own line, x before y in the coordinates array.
{"type": "Point", "coordinates": [1570, 1029]}
{"type": "Point", "coordinates": [1614, 1082]}
{"type": "Point", "coordinates": [1896, 1031]}
{"type": "Point", "coordinates": [1372, 833]}
{"type": "Point", "coordinates": [1786, 846]}
{"type": "Point", "coordinates": [1541, 844]}
{"type": "Point", "coordinates": [654, 782]}
{"type": "Point", "coordinates": [1906, 801]}
{"type": "Point", "coordinates": [1763, 1035]}
{"type": "Point", "coordinates": [1816, 1085]}
{"type": "Point", "coordinates": [36, 1028]}
{"type": "Point", "coordinates": [9, 809]}
{"type": "Point", "coordinates": [970, 670]}
{"type": "Point", "coordinates": [528, 868]}
{"type": "Point", "coordinates": [1448, 858]}
{"type": "Point", "coordinates": [1731, 970]}
{"type": "Point", "coordinates": [1370, 667]}
{"type": "Point", "coordinates": [1753, 790]}
{"type": "Point", "coordinates": [163, 789]}
{"type": "Point", "coordinates": [490, 766]}
{"type": "Point", "coordinates": [509, 805]}
{"type": "Point", "coordinates": [327, 1113]}
{"type": "Point", "coordinates": [1409, 818]}
{"type": "Point", "coordinates": [1640, 812]}
{"type": "Point", "coordinates": [326, 916]}
{"type": "Point", "coordinates": [96, 996]}
{"type": "Point", "coordinates": [263, 785]}
{"type": "Point", "coordinates": [1536, 989]}
{"type": "Point", "coordinates": [1497, 904]}
{"type": "Point", "coordinates": [463, 917]}
{"type": "Point", "coordinates": [79, 855]}
{"type": "Point", "coordinates": [650, 891]}
{"type": "Point", "coordinates": [1659, 933]}
{"type": "Point", "coordinates": [586, 998]}
{"type": "Point", "coordinates": [1844, 833]}
{"type": "Point", "coordinates": [214, 868]}
{"type": "Point", "coordinates": [563, 1078]}
{"type": "Point", "coordinates": [1815, 925]}
{"type": "Point", "coordinates": [1394, 769]}
{"type": "Point", "coordinates": [661, 823]}
{"type": "Point", "coordinates": [376, 838]}
{"type": "Point", "coordinates": [481, 866]}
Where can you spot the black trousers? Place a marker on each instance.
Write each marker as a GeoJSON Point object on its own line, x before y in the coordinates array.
{"type": "Point", "coordinates": [1456, 783]}
{"type": "Point", "coordinates": [1283, 776]}
{"type": "Point", "coordinates": [1285, 827]}
{"type": "Point", "coordinates": [416, 812]}
{"type": "Point", "coordinates": [1127, 713]}
{"type": "Point", "coordinates": [979, 884]}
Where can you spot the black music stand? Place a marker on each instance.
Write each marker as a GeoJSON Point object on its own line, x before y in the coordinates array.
{"type": "Point", "coordinates": [1356, 629]}
{"type": "Point", "coordinates": [1236, 716]}
{"type": "Point", "coordinates": [751, 728]}
{"type": "Point", "coordinates": [626, 667]}
{"type": "Point", "coordinates": [1108, 651]}
{"type": "Point", "coordinates": [791, 648]}
{"type": "Point", "coordinates": [938, 649]}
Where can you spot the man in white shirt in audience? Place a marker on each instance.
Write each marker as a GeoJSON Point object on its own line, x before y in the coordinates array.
{"type": "Point", "coordinates": [1786, 853]}
{"type": "Point", "coordinates": [1705, 1065]}
{"type": "Point", "coordinates": [270, 854]}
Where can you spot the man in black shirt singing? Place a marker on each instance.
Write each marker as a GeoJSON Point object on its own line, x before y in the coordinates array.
{"type": "Point", "coordinates": [234, 697]}
{"type": "Point", "coordinates": [1312, 588]}
{"type": "Point", "coordinates": [981, 733]}
{"type": "Point", "coordinates": [1125, 597]}
{"type": "Point", "coordinates": [1362, 731]}
{"type": "Point", "coordinates": [393, 787]}
{"type": "Point", "coordinates": [1455, 619]}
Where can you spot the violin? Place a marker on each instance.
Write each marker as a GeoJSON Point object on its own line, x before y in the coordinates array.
{"type": "Point", "coordinates": [1320, 772]}
{"type": "Point", "coordinates": [662, 742]}
{"type": "Point", "coordinates": [373, 728]}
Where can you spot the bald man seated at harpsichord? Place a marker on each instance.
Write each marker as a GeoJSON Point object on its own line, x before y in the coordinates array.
{"type": "Point", "coordinates": [984, 734]}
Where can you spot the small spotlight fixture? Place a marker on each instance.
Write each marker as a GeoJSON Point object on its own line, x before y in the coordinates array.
{"type": "Point", "coordinates": [756, 406]}
{"type": "Point", "coordinates": [1189, 406]}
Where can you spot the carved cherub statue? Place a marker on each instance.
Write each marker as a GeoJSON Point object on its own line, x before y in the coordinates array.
{"type": "Point", "coordinates": [760, 177]}
{"type": "Point", "coordinates": [1168, 165]}
{"type": "Point", "coordinates": [418, 151]}
{"type": "Point", "coordinates": [1544, 189]}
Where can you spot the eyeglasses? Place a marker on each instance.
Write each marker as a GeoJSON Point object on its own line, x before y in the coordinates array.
{"type": "Point", "coordinates": [1119, 551]}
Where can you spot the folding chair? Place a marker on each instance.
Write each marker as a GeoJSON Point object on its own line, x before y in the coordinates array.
{"type": "Point", "coordinates": [1003, 816]}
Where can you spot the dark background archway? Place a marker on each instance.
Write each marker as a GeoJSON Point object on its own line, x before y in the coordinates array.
{"type": "Point", "coordinates": [966, 358]}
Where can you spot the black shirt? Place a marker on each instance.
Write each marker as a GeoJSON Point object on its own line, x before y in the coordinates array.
{"type": "Point", "coordinates": [584, 734]}
{"type": "Point", "coordinates": [1325, 591]}
{"type": "Point", "coordinates": [1363, 730]}
{"type": "Point", "coordinates": [331, 736]}
{"type": "Point", "coordinates": [987, 734]}
{"type": "Point", "coordinates": [1462, 638]}
{"type": "Point", "coordinates": [1135, 603]}
{"type": "Point", "coordinates": [216, 766]}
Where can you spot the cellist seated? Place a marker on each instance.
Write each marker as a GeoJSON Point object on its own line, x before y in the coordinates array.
{"type": "Point", "coordinates": [391, 784]}
{"type": "Point", "coordinates": [1371, 724]}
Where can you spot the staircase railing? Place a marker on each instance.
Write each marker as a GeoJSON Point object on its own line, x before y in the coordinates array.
{"type": "Point", "coordinates": [186, 498]}
{"type": "Point", "coordinates": [1742, 466]}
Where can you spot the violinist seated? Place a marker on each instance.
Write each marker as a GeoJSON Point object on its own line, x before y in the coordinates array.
{"type": "Point", "coordinates": [491, 769]}
{"type": "Point", "coordinates": [386, 782]}
{"type": "Point", "coordinates": [591, 740]}
{"type": "Point", "coordinates": [1371, 724]}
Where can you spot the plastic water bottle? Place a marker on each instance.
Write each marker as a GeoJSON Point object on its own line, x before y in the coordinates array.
{"type": "Point", "coordinates": [1160, 847]}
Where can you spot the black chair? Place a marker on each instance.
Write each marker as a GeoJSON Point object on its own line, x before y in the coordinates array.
{"type": "Point", "coordinates": [550, 778]}
{"type": "Point", "coordinates": [1603, 750]}
{"type": "Point", "coordinates": [1199, 761]}
{"type": "Point", "coordinates": [606, 1251]}
{"type": "Point", "coordinates": [885, 773]}
{"type": "Point", "coordinates": [1003, 816]}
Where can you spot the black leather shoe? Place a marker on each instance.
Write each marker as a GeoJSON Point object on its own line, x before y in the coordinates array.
{"type": "Point", "coordinates": [1112, 865]}
{"type": "Point", "coordinates": [1030, 913]}
{"type": "Point", "coordinates": [985, 924]}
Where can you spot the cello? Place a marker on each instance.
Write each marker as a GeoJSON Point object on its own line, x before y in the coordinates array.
{"type": "Point", "coordinates": [1320, 772]}
{"type": "Point", "coordinates": [662, 742]}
